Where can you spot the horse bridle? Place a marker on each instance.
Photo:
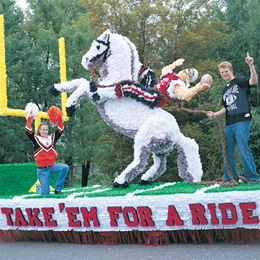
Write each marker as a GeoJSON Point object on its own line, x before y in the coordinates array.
{"type": "Point", "coordinates": [104, 53]}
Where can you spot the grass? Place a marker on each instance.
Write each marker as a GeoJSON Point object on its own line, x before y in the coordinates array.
{"type": "Point", "coordinates": [154, 189]}
{"type": "Point", "coordinates": [17, 179]}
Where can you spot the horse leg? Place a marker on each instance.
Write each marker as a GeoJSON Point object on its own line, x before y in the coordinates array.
{"type": "Point", "coordinates": [81, 91]}
{"type": "Point", "coordinates": [156, 170]}
{"type": "Point", "coordinates": [189, 164]}
{"type": "Point", "coordinates": [134, 168]}
{"type": "Point", "coordinates": [79, 87]}
{"type": "Point", "coordinates": [69, 86]}
{"type": "Point", "coordinates": [74, 99]}
{"type": "Point", "coordinates": [103, 94]}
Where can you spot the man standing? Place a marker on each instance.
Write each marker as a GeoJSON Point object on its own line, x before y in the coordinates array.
{"type": "Point", "coordinates": [238, 119]}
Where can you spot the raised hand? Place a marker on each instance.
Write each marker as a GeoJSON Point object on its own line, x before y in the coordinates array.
{"type": "Point", "coordinates": [249, 60]}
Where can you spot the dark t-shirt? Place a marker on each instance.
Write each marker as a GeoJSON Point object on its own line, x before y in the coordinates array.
{"type": "Point", "coordinates": [235, 100]}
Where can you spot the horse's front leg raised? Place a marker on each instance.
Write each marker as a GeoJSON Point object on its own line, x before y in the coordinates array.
{"type": "Point", "coordinates": [78, 87]}
{"type": "Point", "coordinates": [68, 86]}
{"type": "Point", "coordinates": [81, 91]}
{"type": "Point", "coordinates": [101, 95]}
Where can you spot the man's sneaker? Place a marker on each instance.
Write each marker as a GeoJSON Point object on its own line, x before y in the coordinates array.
{"type": "Point", "coordinates": [58, 192]}
{"type": "Point", "coordinates": [242, 179]}
{"type": "Point", "coordinates": [38, 189]}
{"type": "Point", "coordinates": [253, 182]}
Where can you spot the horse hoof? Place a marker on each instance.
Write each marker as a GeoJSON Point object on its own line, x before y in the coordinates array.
{"type": "Point", "coordinates": [118, 185]}
{"type": "Point", "coordinates": [70, 111]}
{"type": "Point", "coordinates": [53, 91]}
{"type": "Point", "coordinates": [145, 182]}
{"type": "Point", "coordinates": [95, 97]}
{"type": "Point", "coordinates": [92, 86]}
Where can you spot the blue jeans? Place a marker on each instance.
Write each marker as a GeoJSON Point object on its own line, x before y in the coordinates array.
{"type": "Point", "coordinates": [45, 174]}
{"type": "Point", "coordinates": [238, 134]}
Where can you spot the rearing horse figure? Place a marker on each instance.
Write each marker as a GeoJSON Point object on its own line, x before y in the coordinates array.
{"type": "Point", "coordinates": [154, 131]}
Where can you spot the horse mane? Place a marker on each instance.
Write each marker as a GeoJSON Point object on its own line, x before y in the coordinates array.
{"type": "Point", "coordinates": [135, 65]}
{"type": "Point", "coordinates": [122, 62]}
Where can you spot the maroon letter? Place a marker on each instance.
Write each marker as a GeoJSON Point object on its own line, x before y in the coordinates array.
{"type": "Point", "coordinates": [173, 217]}
{"type": "Point", "coordinates": [114, 215]}
{"type": "Point", "coordinates": [90, 215]}
{"type": "Point", "coordinates": [33, 217]}
{"type": "Point", "coordinates": [135, 221]}
{"type": "Point", "coordinates": [19, 218]}
{"type": "Point", "coordinates": [233, 218]}
{"type": "Point", "coordinates": [247, 213]}
{"type": "Point", "coordinates": [47, 215]}
{"type": "Point", "coordinates": [212, 210]}
{"type": "Point", "coordinates": [197, 212]}
{"type": "Point", "coordinates": [145, 214]}
{"type": "Point", "coordinates": [8, 212]}
{"type": "Point", "coordinates": [71, 213]}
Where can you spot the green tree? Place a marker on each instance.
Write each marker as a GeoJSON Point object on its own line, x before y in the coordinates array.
{"type": "Point", "coordinates": [67, 19]}
{"type": "Point", "coordinates": [202, 32]}
{"type": "Point", "coordinates": [12, 138]}
{"type": "Point", "coordinates": [242, 23]}
{"type": "Point", "coordinates": [254, 137]}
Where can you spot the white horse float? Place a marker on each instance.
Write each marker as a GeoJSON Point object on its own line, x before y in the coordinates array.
{"type": "Point", "coordinates": [154, 130]}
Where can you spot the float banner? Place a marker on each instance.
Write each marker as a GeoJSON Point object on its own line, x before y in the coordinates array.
{"type": "Point", "coordinates": [224, 210]}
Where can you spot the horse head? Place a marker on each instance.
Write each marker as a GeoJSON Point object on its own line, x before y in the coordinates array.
{"type": "Point", "coordinates": [116, 55]}
{"type": "Point", "coordinates": [98, 51]}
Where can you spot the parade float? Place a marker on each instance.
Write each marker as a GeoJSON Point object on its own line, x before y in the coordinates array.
{"type": "Point", "coordinates": [149, 212]}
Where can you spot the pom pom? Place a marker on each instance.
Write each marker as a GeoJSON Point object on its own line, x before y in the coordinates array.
{"type": "Point", "coordinates": [206, 81]}
{"type": "Point", "coordinates": [31, 110]}
{"type": "Point", "coordinates": [55, 115]}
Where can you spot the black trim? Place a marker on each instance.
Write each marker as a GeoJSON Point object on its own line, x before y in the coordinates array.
{"type": "Point", "coordinates": [104, 52]}
{"type": "Point", "coordinates": [44, 167]}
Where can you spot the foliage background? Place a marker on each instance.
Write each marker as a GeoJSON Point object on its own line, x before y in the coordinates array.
{"type": "Point", "coordinates": [200, 31]}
